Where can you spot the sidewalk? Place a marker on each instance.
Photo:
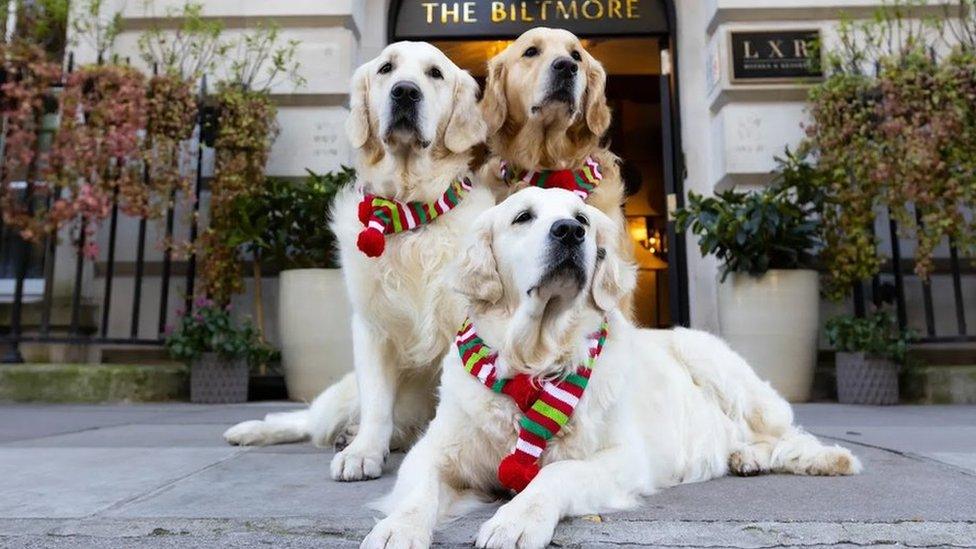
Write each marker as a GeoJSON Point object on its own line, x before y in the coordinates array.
{"type": "Point", "coordinates": [160, 476]}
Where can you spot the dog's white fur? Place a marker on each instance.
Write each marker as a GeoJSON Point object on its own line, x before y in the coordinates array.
{"type": "Point", "coordinates": [405, 314]}
{"type": "Point", "coordinates": [662, 407]}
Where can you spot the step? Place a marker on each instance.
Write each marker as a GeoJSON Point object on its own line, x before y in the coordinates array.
{"type": "Point", "coordinates": [952, 384]}
{"type": "Point", "coordinates": [93, 383]}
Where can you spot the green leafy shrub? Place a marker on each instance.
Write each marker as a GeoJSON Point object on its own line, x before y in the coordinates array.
{"type": "Point", "coordinates": [752, 232]}
{"type": "Point", "coordinates": [875, 335]}
{"type": "Point", "coordinates": [209, 328]}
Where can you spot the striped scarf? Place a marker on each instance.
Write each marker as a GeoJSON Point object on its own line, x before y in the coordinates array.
{"type": "Point", "coordinates": [383, 216]}
{"type": "Point", "coordinates": [545, 409]}
{"type": "Point", "coordinates": [582, 182]}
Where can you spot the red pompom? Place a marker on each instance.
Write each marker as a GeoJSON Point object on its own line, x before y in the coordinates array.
{"type": "Point", "coordinates": [561, 179]}
{"type": "Point", "coordinates": [516, 471]}
{"type": "Point", "coordinates": [371, 241]}
{"type": "Point", "coordinates": [523, 390]}
{"type": "Point", "coordinates": [365, 209]}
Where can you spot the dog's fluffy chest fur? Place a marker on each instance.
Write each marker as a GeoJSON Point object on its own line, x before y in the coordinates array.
{"type": "Point", "coordinates": [403, 294]}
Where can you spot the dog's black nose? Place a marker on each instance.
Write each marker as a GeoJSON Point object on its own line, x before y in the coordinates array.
{"type": "Point", "coordinates": [568, 231]}
{"type": "Point", "coordinates": [406, 92]}
{"type": "Point", "coordinates": [565, 66]}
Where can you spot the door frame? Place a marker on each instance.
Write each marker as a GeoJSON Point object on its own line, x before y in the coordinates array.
{"type": "Point", "coordinates": [673, 155]}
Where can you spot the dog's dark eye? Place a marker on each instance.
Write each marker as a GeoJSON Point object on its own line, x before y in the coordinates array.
{"type": "Point", "coordinates": [583, 219]}
{"type": "Point", "coordinates": [386, 68]}
{"type": "Point", "coordinates": [531, 52]}
{"type": "Point", "coordinates": [523, 217]}
{"type": "Point", "coordinates": [435, 73]}
{"type": "Point", "coordinates": [576, 55]}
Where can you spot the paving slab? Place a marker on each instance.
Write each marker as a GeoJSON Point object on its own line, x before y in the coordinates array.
{"type": "Point", "coordinates": [160, 476]}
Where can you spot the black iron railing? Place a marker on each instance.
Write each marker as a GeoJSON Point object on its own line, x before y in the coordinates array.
{"type": "Point", "coordinates": [18, 257]}
{"type": "Point", "coordinates": [931, 323]}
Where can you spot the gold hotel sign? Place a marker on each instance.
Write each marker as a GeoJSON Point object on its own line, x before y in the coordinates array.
{"type": "Point", "coordinates": [467, 19]}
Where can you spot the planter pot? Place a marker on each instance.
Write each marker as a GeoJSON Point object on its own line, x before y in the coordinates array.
{"type": "Point", "coordinates": [772, 321]}
{"type": "Point", "coordinates": [216, 380]}
{"type": "Point", "coordinates": [865, 379]}
{"type": "Point", "coordinates": [314, 316]}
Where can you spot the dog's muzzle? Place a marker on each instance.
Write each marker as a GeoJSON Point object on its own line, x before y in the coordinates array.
{"type": "Point", "coordinates": [405, 100]}
{"type": "Point", "coordinates": [562, 82]}
{"type": "Point", "coordinates": [565, 258]}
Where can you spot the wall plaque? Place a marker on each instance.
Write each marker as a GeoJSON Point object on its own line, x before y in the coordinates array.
{"type": "Point", "coordinates": [471, 19]}
{"type": "Point", "coordinates": [775, 56]}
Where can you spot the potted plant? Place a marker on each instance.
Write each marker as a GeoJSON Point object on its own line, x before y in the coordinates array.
{"type": "Point", "coordinates": [870, 352]}
{"type": "Point", "coordinates": [286, 224]}
{"type": "Point", "coordinates": [218, 351]}
{"type": "Point", "coordinates": [768, 298]}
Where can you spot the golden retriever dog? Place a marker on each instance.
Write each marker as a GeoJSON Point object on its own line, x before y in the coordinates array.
{"type": "Point", "coordinates": [414, 120]}
{"type": "Point", "coordinates": [546, 111]}
{"type": "Point", "coordinates": [660, 408]}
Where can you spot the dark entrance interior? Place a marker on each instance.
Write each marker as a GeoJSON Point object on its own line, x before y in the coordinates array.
{"type": "Point", "coordinates": [634, 71]}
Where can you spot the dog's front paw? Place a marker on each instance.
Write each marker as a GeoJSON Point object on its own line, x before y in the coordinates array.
{"type": "Point", "coordinates": [355, 463]}
{"type": "Point", "coordinates": [517, 526]}
{"type": "Point", "coordinates": [388, 534]}
{"type": "Point", "coordinates": [247, 433]}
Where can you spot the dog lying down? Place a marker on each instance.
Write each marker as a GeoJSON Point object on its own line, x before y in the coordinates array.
{"type": "Point", "coordinates": [622, 412]}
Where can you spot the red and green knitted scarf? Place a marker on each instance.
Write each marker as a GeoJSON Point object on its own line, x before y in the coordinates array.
{"type": "Point", "coordinates": [383, 216]}
{"type": "Point", "coordinates": [545, 409]}
{"type": "Point", "coordinates": [582, 181]}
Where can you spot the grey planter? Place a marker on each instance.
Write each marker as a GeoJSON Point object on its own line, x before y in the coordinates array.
{"type": "Point", "coordinates": [214, 380]}
{"type": "Point", "coordinates": [866, 380]}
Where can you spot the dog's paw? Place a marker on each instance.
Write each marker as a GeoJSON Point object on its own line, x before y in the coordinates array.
{"type": "Point", "coordinates": [835, 461]}
{"type": "Point", "coordinates": [517, 526]}
{"type": "Point", "coordinates": [748, 462]}
{"type": "Point", "coordinates": [247, 433]}
{"type": "Point", "coordinates": [354, 463]}
{"type": "Point", "coordinates": [388, 534]}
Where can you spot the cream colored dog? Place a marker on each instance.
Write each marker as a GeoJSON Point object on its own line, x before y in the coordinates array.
{"type": "Point", "coordinates": [414, 120]}
{"type": "Point", "coordinates": [661, 407]}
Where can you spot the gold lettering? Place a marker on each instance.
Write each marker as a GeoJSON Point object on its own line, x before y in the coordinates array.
{"type": "Point", "coordinates": [800, 49]}
{"type": "Point", "coordinates": [747, 50]}
{"type": "Point", "coordinates": [451, 13]}
{"type": "Point", "coordinates": [469, 16]}
{"type": "Point", "coordinates": [613, 9]}
{"type": "Point", "coordinates": [589, 14]}
{"type": "Point", "coordinates": [775, 46]}
{"type": "Point", "coordinates": [632, 9]}
{"type": "Point", "coordinates": [561, 8]}
{"type": "Point", "coordinates": [525, 14]}
{"type": "Point", "coordinates": [543, 6]}
{"type": "Point", "coordinates": [429, 7]}
{"type": "Point", "coordinates": [497, 12]}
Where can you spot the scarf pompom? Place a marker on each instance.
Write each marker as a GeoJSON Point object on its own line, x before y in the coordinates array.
{"type": "Point", "coordinates": [371, 242]}
{"type": "Point", "coordinates": [366, 209]}
{"type": "Point", "coordinates": [516, 471]}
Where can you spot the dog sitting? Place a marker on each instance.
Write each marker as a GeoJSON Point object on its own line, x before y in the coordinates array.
{"type": "Point", "coordinates": [551, 393]}
{"type": "Point", "coordinates": [414, 121]}
{"type": "Point", "coordinates": [546, 109]}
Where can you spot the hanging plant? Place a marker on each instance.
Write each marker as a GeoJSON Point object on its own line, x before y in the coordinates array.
{"type": "Point", "coordinates": [246, 129]}
{"type": "Point", "coordinates": [171, 113]}
{"type": "Point", "coordinates": [25, 98]}
{"type": "Point", "coordinates": [97, 151]}
{"type": "Point", "coordinates": [894, 128]}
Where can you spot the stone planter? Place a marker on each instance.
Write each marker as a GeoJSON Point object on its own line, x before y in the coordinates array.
{"type": "Point", "coordinates": [314, 317]}
{"type": "Point", "coordinates": [863, 379]}
{"type": "Point", "coordinates": [772, 321]}
{"type": "Point", "coordinates": [216, 380]}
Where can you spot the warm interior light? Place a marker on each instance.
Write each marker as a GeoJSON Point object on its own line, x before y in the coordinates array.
{"type": "Point", "coordinates": [648, 237]}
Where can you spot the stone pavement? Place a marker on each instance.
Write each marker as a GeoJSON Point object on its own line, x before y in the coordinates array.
{"type": "Point", "coordinates": [160, 476]}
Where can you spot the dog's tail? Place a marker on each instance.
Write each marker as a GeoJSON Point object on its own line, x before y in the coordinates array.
{"type": "Point", "coordinates": [328, 416]}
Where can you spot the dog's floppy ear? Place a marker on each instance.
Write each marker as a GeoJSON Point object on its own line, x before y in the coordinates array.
{"type": "Point", "coordinates": [597, 112]}
{"type": "Point", "coordinates": [466, 127]}
{"type": "Point", "coordinates": [614, 277]}
{"type": "Point", "coordinates": [477, 273]}
{"type": "Point", "coordinates": [494, 106]}
{"type": "Point", "coordinates": [357, 125]}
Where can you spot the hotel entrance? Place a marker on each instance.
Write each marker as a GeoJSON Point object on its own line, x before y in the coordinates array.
{"type": "Point", "coordinates": [632, 39]}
